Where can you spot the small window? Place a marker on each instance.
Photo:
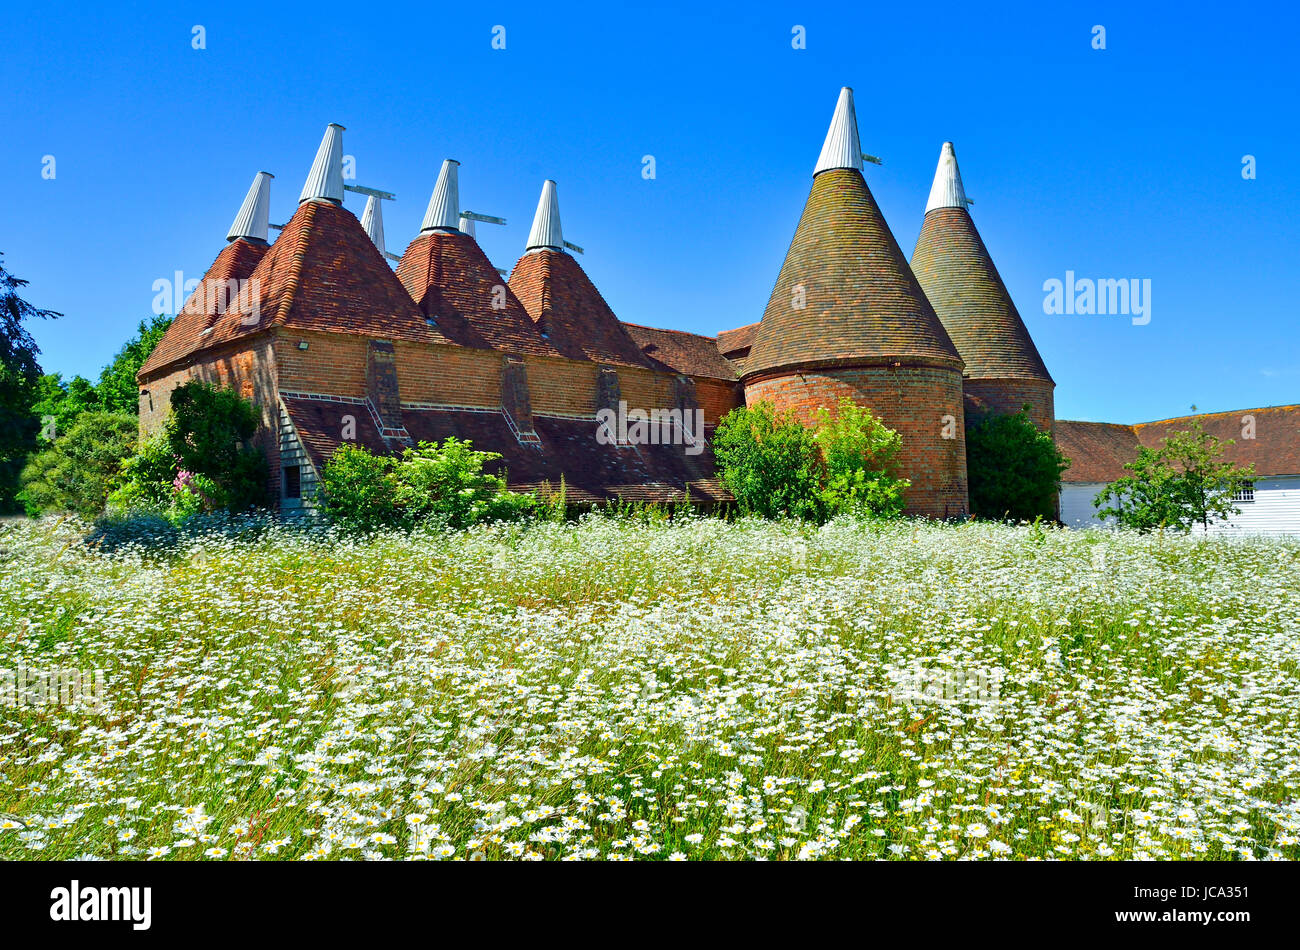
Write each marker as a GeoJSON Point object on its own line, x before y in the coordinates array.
{"type": "Point", "coordinates": [1245, 493]}
{"type": "Point", "coordinates": [292, 481]}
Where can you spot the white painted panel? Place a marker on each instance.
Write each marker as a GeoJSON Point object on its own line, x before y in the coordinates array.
{"type": "Point", "coordinates": [1275, 510]}
{"type": "Point", "coordinates": [1076, 505]}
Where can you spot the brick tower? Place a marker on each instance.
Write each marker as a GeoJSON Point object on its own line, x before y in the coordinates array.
{"type": "Point", "coordinates": [1003, 369]}
{"type": "Point", "coordinates": [848, 318]}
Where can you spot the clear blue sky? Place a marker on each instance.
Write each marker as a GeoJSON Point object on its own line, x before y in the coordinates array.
{"type": "Point", "coordinates": [1122, 163]}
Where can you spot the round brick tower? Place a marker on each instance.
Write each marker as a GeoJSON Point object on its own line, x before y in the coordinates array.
{"type": "Point", "coordinates": [1004, 372]}
{"type": "Point", "coordinates": [848, 318]}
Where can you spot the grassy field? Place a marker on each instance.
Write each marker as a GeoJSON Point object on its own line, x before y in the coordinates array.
{"type": "Point", "coordinates": [614, 690]}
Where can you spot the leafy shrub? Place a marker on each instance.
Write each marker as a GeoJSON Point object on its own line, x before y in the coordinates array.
{"type": "Point", "coordinates": [77, 471]}
{"type": "Point", "coordinates": [359, 489]}
{"type": "Point", "coordinates": [776, 467]}
{"type": "Point", "coordinates": [432, 484]}
{"type": "Point", "coordinates": [858, 452]}
{"type": "Point", "coordinates": [209, 431]}
{"type": "Point", "coordinates": [201, 461]}
{"type": "Point", "coordinates": [769, 462]}
{"type": "Point", "coordinates": [1013, 468]}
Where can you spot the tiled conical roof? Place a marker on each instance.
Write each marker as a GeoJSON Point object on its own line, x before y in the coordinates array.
{"type": "Point", "coordinates": [860, 301]}
{"type": "Point", "coordinates": [322, 273]}
{"type": "Point", "coordinates": [456, 286]}
{"type": "Point", "coordinates": [237, 261]}
{"type": "Point", "coordinates": [561, 299]}
{"type": "Point", "coordinates": [566, 306]}
{"type": "Point", "coordinates": [961, 281]}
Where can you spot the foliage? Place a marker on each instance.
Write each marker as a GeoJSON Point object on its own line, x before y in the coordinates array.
{"type": "Point", "coordinates": [432, 484]}
{"type": "Point", "coordinates": [1184, 483]}
{"type": "Point", "coordinates": [209, 431]}
{"type": "Point", "coordinates": [858, 452]}
{"type": "Point", "coordinates": [776, 467]}
{"type": "Point", "coordinates": [769, 463]}
{"type": "Point", "coordinates": [117, 390]}
{"type": "Point", "coordinates": [77, 471]}
{"type": "Point", "coordinates": [1013, 468]}
{"type": "Point", "coordinates": [19, 384]}
{"type": "Point", "coordinates": [202, 460]}
{"type": "Point", "coordinates": [359, 489]}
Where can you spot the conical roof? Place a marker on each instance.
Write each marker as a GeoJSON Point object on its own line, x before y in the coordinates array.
{"type": "Point", "coordinates": [845, 294]}
{"type": "Point", "coordinates": [469, 303]}
{"type": "Point", "coordinates": [185, 335]}
{"type": "Point", "coordinates": [961, 281]}
{"type": "Point", "coordinates": [561, 299]}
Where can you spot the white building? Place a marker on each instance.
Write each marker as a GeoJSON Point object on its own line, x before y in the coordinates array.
{"type": "Point", "coordinates": [1267, 438]}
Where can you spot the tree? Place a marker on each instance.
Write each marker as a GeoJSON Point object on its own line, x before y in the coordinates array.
{"type": "Point", "coordinates": [58, 404]}
{"type": "Point", "coordinates": [1013, 468]}
{"type": "Point", "coordinates": [19, 384]}
{"type": "Point", "coordinates": [118, 390]}
{"type": "Point", "coordinates": [777, 467]}
{"type": "Point", "coordinates": [79, 469]}
{"type": "Point", "coordinates": [1183, 483]}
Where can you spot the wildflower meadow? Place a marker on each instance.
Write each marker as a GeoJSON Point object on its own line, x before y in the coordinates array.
{"type": "Point", "coordinates": [631, 689]}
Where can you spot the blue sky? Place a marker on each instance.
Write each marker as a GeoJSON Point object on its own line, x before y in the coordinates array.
{"type": "Point", "coordinates": [1116, 163]}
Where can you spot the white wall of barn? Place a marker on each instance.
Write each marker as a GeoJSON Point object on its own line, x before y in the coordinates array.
{"type": "Point", "coordinates": [1275, 510]}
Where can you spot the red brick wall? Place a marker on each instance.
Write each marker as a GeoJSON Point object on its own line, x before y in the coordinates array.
{"type": "Point", "coordinates": [562, 387]}
{"type": "Point", "coordinates": [717, 398]}
{"type": "Point", "coordinates": [1010, 396]}
{"type": "Point", "coordinates": [909, 399]}
{"type": "Point", "coordinates": [333, 364]}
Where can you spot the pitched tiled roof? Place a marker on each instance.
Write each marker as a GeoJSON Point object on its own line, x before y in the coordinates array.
{"type": "Point", "coordinates": [453, 282]}
{"type": "Point", "coordinates": [1275, 449]}
{"type": "Point", "coordinates": [322, 273]}
{"type": "Point", "coordinates": [567, 307]}
{"type": "Point", "coordinates": [1100, 449]}
{"type": "Point", "coordinates": [961, 281]}
{"type": "Point", "coordinates": [738, 340]}
{"type": "Point", "coordinates": [592, 472]}
{"type": "Point", "coordinates": [681, 352]}
{"type": "Point", "coordinates": [236, 261]}
{"type": "Point", "coordinates": [862, 302]}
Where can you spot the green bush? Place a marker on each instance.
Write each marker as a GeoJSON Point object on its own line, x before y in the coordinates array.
{"type": "Point", "coordinates": [858, 453]}
{"type": "Point", "coordinates": [202, 461]}
{"type": "Point", "coordinates": [430, 485]}
{"type": "Point", "coordinates": [359, 489]}
{"type": "Point", "coordinates": [776, 467]}
{"type": "Point", "coordinates": [1013, 468]}
{"type": "Point", "coordinates": [78, 470]}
